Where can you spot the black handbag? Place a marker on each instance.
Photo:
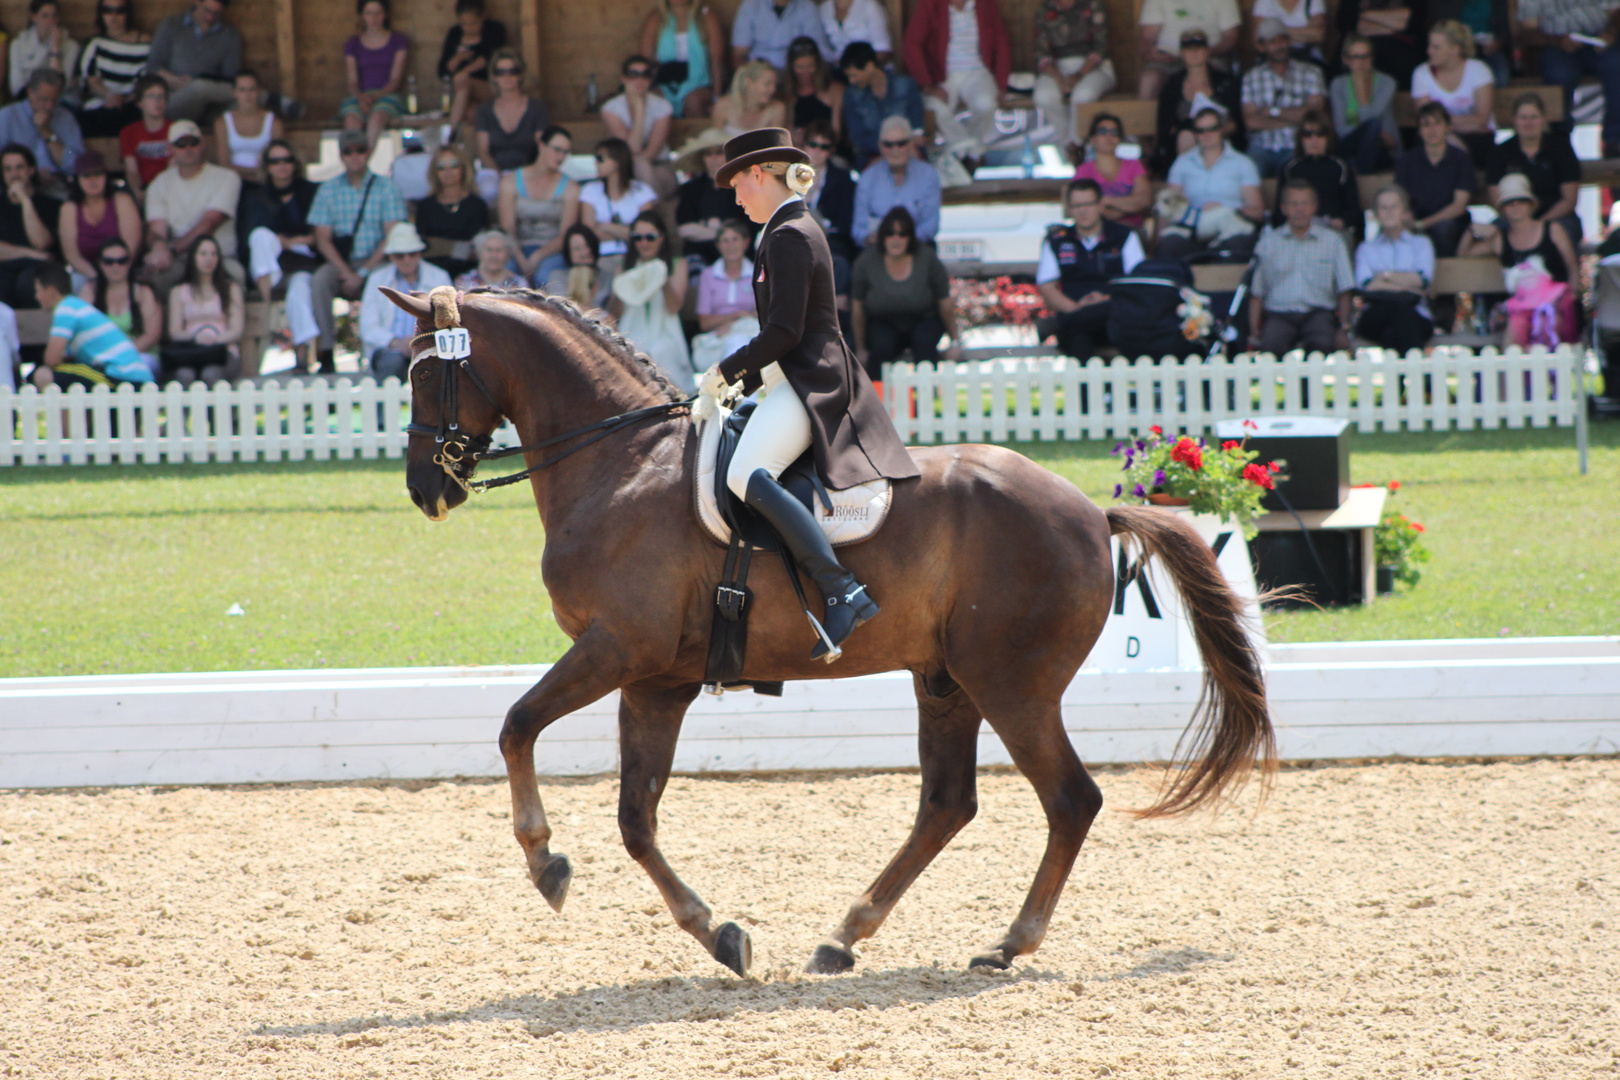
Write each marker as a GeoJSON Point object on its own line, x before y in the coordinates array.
{"type": "Point", "coordinates": [1392, 296]}
{"type": "Point", "coordinates": [672, 73]}
{"type": "Point", "coordinates": [345, 244]}
{"type": "Point", "coordinates": [189, 354]}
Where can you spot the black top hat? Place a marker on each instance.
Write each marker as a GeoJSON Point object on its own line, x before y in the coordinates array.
{"type": "Point", "coordinates": [758, 147]}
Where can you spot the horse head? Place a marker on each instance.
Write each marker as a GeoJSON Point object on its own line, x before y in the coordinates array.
{"type": "Point", "coordinates": [452, 413]}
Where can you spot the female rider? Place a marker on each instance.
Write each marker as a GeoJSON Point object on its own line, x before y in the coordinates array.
{"type": "Point", "coordinates": [816, 396]}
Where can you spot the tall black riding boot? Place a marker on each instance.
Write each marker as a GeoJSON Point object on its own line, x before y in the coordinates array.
{"type": "Point", "coordinates": [848, 606]}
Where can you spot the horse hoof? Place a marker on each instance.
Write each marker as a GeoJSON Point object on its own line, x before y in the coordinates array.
{"type": "Point", "coordinates": [995, 961]}
{"type": "Point", "coordinates": [733, 948]}
{"type": "Point", "coordinates": [830, 958]}
{"type": "Point", "coordinates": [553, 881]}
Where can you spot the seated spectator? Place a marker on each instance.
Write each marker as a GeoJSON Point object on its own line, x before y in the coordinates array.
{"type": "Point", "coordinates": [1078, 263]}
{"type": "Point", "coordinates": [537, 204]}
{"type": "Point", "coordinates": [900, 179]}
{"type": "Point", "coordinates": [1215, 179]}
{"type": "Point", "coordinates": [1276, 96]}
{"type": "Point", "coordinates": [1519, 236]}
{"type": "Point", "coordinates": [131, 305]}
{"type": "Point", "coordinates": [1363, 103]}
{"type": "Point", "coordinates": [43, 45]}
{"type": "Point", "coordinates": [85, 348]}
{"type": "Point", "coordinates": [647, 299]}
{"type": "Point", "coordinates": [752, 102]}
{"type": "Point", "coordinates": [876, 92]}
{"type": "Point", "coordinates": [1393, 271]}
{"type": "Point", "coordinates": [243, 131]}
{"type": "Point", "coordinates": [198, 54]}
{"type": "Point", "coordinates": [144, 144]}
{"type": "Point", "coordinates": [386, 330]}
{"type": "Point", "coordinates": [1072, 60]}
{"type": "Point", "coordinates": [95, 214]}
{"type": "Point", "coordinates": [1195, 87]}
{"type": "Point", "coordinates": [641, 118]}
{"type": "Point", "coordinates": [494, 251]}
{"type": "Point", "coordinates": [1395, 28]}
{"type": "Point", "coordinates": [1548, 26]}
{"type": "Point", "coordinates": [352, 213]}
{"type": "Point", "coordinates": [961, 63]}
{"type": "Point", "coordinates": [11, 348]}
{"type": "Point", "coordinates": [468, 48]}
{"type": "Point", "coordinates": [452, 214]}
{"type": "Point", "coordinates": [1462, 84]}
{"type": "Point", "coordinates": [43, 125]}
{"type": "Point", "coordinates": [109, 68]}
{"type": "Point", "coordinates": [374, 64]}
{"type": "Point", "coordinates": [608, 204]}
{"type": "Point", "coordinates": [1439, 179]}
{"type": "Point", "coordinates": [1490, 23]}
{"type": "Point", "coordinates": [901, 298]}
{"type": "Point", "coordinates": [685, 39]}
{"type": "Point", "coordinates": [701, 207]}
{"type": "Point", "coordinates": [849, 21]}
{"type": "Point", "coordinates": [281, 240]}
{"type": "Point", "coordinates": [1338, 199]}
{"type": "Point", "coordinates": [763, 30]}
{"type": "Point", "coordinates": [725, 299]}
{"type": "Point", "coordinates": [811, 88]}
{"type": "Point", "coordinates": [1545, 158]}
{"type": "Point", "coordinates": [207, 313]}
{"type": "Point", "coordinates": [1126, 192]}
{"type": "Point", "coordinates": [26, 215]}
{"type": "Point", "coordinates": [509, 124]}
{"type": "Point", "coordinates": [831, 199]}
{"type": "Point", "coordinates": [1305, 23]}
{"type": "Point", "coordinates": [583, 281]}
{"type": "Point", "coordinates": [189, 200]}
{"type": "Point", "coordinates": [1166, 25]}
{"type": "Point", "coordinates": [1303, 284]}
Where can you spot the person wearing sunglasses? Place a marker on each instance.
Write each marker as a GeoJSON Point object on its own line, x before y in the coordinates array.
{"type": "Point", "coordinates": [647, 298]}
{"type": "Point", "coordinates": [609, 203]}
{"type": "Point", "coordinates": [1196, 85]}
{"type": "Point", "coordinates": [900, 300]}
{"type": "Point", "coordinates": [1071, 49]}
{"type": "Point", "coordinates": [832, 199]}
{"type": "Point", "coordinates": [900, 179]}
{"type": "Point", "coordinates": [1338, 197]}
{"type": "Point", "coordinates": [876, 92]}
{"type": "Point", "coordinates": [642, 119]}
{"type": "Point", "coordinates": [109, 67]}
{"type": "Point", "coordinates": [1363, 103]}
{"type": "Point", "coordinates": [1126, 192]}
{"type": "Point", "coordinates": [1276, 96]}
{"type": "Point", "coordinates": [130, 305]}
{"type": "Point", "coordinates": [44, 44]}
{"type": "Point", "coordinates": [1217, 182]}
{"type": "Point", "coordinates": [281, 241]}
{"type": "Point", "coordinates": [352, 214]}
{"type": "Point", "coordinates": [190, 199]}
{"type": "Point", "coordinates": [374, 64]}
{"type": "Point", "coordinates": [510, 123]}
{"type": "Point", "coordinates": [453, 214]}
{"type": "Point", "coordinates": [684, 36]}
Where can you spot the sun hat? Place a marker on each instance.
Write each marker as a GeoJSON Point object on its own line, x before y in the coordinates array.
{"type": "Point", "coordinates": [759, 147]}
{"type": "Point", "coordinates": [689, 158]}
{"type": "Point", "coordinates": [181, 128]}
{"type": "Point", "coordinates": [1514, 186]}
{"type": "Point", "coordinates": [403, 239]}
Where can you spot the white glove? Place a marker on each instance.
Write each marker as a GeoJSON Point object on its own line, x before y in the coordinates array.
{"type": "Point", "coordinates": [712, 389]}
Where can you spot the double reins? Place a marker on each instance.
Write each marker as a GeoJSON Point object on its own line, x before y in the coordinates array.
{"type": "Point", "coordinates": [458, 453]}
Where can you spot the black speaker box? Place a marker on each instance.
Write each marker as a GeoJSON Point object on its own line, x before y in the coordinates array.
{"type": "Point", "coordinates": [1316, 450]}
{"type": "Point", "coordinates": [1333, 575]}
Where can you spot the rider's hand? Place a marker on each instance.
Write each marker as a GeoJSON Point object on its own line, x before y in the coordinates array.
{"type": "Point", "coordinates": [713, 384]}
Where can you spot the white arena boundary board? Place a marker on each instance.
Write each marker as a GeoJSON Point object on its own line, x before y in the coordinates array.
{"type": "Point", "coordinates": [1378, 699]}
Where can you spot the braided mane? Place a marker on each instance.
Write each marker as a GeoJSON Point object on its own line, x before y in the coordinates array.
{"type": "Point", "coordinates": [614, 343]}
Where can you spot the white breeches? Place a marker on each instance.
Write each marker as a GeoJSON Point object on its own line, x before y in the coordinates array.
{"type": "Point", "coordinates": [777, 433]}
{"type": "Point", "coordinates": [1049, 98]}
{"type": "Point", "coordinates": [264, 254]}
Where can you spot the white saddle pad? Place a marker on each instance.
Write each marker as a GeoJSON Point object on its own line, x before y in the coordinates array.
{"type": "Point", "coordinates": [857, 512]}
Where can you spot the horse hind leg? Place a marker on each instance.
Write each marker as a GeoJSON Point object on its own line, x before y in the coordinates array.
{"type": "Point", "coordinates": [947, 743]}
{"type": "Point", "coordinates": [649, 724]}
{"type": "Point", "coordinates": [1071, 800]}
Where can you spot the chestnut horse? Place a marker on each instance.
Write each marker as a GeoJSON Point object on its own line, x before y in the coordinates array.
{"type": "Point", "coordinates": [995, 578]}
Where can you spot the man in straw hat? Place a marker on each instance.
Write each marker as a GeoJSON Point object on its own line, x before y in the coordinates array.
{"type": "Point", "coordinates": [386, 330]}
{"type": "Point", "coordinates": [817, 396]}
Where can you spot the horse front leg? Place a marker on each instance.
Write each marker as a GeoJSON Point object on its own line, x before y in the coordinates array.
{"type": "Point", "coordinates": [593, 668]}
{"type": "Point", "coordinates": [649, 724]}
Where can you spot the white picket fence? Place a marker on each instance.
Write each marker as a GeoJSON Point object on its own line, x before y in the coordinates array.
{"type": "Point", "coordinates": [1060, 398]}
{"type": "Point", "coordinates": [301, 420]}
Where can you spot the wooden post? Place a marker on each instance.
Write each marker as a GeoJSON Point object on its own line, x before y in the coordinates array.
{"type": "Point", "coordinates": [529, 38]}
{"type": "Point", "coordinates": [286, 48]}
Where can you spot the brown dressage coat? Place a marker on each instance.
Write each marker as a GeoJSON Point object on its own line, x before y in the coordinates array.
{"type": "Point", "coordinates": [851, 435]}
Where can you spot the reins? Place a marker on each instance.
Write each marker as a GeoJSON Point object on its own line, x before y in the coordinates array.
{"type": "Point", "coordinates": [458, 454]}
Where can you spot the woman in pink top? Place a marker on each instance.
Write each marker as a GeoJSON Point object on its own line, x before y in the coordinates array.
{"type": "Point", "coordinates": [1124, 182]}
{"type": "Point", "coordinates": [207, 309]}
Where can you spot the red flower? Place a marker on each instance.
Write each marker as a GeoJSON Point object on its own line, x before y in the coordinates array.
{"type": "Point", "coordinates": [1254, 474]}
{"type": "Point", "coordinates": [1394, 485]}
{"type": "Point", "coordinates": [1251, 425]}
{"type": "Point", "coordinates": [1230, 444]}
{"type": "Point", "coordinates": [1188, 452]}
{"type": "Point", "coordinates": [1273, 467]}
{"type": "Point", "coordinates": [1156, 429]}
{"type": "Point", "coordinates": [1418, 528]}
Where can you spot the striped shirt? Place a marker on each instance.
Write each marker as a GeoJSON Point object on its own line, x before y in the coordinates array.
{"type": "Point", "coordinates": [1302, 273]}
{"type": "Point", "coordinates": [94, 341]}
{"type": "Point", "coordinates": [116, 63]}
{"type": "Point", "coordinates": [962, 51]}
{"type": "Point", "coordinates": [1567, 16]}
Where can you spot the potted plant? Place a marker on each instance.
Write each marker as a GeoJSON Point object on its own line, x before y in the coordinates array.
{"type": "Point", "coordinates": [1398, 548]}
{"type": "Point", "coordinates": [1226, 481]}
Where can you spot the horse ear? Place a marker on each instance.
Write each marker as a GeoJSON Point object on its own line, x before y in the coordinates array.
{"type": "Point", "coordinates": [415, 303]}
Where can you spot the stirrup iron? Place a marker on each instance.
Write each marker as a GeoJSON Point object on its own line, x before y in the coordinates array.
{"type": "Point", "coordinates": [833, 651]}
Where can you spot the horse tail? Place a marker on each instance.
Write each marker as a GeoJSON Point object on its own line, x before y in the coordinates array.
{"type": "Point", "coordinates": [1230, 730]}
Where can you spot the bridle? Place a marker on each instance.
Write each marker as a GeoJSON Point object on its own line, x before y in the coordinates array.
{"type": "Point", "coordinates": [458, 453]}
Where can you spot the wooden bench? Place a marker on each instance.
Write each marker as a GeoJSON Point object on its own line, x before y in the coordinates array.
{"type": "Point", "coordinates": [260, 324]}
{"type": "Point", "coordinates": [1552, 100]}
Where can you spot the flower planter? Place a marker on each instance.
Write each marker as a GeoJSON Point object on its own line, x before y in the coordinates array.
{"type": "Point", "coordinates": [1159, 498]}
{"type": "Point", "coordinates": [1386, 580]}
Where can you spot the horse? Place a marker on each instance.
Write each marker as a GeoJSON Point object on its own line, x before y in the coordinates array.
{"type": "Point", "coordinates": [995, 578]}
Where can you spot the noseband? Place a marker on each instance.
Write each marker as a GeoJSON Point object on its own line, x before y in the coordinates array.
{"type": "Point", "coordinates": [458, 453]}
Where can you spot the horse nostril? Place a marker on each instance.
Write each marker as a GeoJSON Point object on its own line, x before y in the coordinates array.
{"type": "Point", "coordinates": [416, 497]}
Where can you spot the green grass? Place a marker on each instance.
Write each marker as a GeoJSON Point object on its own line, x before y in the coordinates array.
{"type": "Point", "coordinates": [116, 569]}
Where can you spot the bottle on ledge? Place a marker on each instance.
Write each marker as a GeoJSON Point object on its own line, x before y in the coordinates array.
{"type": "Point", "coordinates": [410, 94]}
{"type": "Point", "coordinates": [592, 95]}
{"type": "Point", "coordinates": [447, 94]}
{"type": "Point", "coordinates": [1029, 158]}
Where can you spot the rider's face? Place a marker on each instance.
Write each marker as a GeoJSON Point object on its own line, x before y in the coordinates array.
{"type": "Point", "coordinates": [757, 194]}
